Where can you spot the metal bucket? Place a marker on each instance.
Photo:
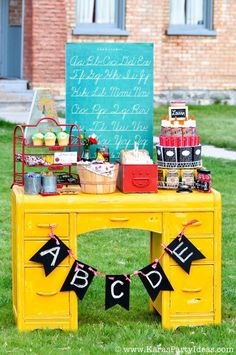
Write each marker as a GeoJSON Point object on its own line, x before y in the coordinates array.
{"type": "Point", "coordinates": [32, 184]}
{"type": "Point", "coordinates": [49, 184]}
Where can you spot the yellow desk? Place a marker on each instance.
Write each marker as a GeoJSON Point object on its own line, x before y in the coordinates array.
{"type": "Point", "coordinates": [37, 300]}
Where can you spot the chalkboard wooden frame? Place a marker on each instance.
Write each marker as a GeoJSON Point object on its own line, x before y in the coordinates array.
{"type": "Point", "coordinates": [109, 92]}
{"type": "Point", "coordinates": [180, 112]}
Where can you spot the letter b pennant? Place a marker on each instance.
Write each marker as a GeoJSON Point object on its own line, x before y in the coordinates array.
{"type": "Point", "coordinates": [79, 279]}
{"type": "Point", "coordinates": [154, 280]}
{"type": "Point", "coordinates": [117, 291]}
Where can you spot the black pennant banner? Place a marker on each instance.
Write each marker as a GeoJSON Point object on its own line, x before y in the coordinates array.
{"type": "Point", "coordinates": [183, 252]}
{"type": "Point", "coordinates": [154, 280]}
{"type": "Point", "coordinates": [51, 254]}
{"type": "Point", "coordinates": [117, 291]}
{"type": "Point", "coordinates": [79, 279]}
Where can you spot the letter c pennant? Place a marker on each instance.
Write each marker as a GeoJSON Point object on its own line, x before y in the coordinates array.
{"type": "Point", "coordinates": [79, 279]}
{"type": "Point", "coordinates": [117, 291]}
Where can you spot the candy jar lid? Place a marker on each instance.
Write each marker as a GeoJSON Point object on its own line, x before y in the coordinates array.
{"type": "Point", "coordinates": [203, 171]}
{"type": "Point", "coordinates": [184, 188]}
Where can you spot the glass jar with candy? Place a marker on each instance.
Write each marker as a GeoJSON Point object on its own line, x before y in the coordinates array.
{"type": "Point", "coordinates": [203, 182]}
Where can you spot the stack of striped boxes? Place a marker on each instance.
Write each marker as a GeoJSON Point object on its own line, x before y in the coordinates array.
{"type": "Point", "coordinates": [179, 146]}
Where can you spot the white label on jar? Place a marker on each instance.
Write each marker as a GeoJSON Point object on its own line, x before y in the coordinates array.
{"type": "Point", "coordinates": [185, 153]}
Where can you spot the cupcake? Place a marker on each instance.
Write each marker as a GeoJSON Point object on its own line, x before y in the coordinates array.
{"type": "Point", "coordinates": [63, 138]}
{"type": "Point", "coordinates": [50, 138]}
{"type": "Point", "coordinates": [37, 138]}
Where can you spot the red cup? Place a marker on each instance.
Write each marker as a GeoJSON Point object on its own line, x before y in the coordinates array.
{"type": "Point", "coordinates": [179, 142]}
{"type": "Point", "coordinates": [192, 140]}
{"type": "Point", "coordinates": [188, 141]}
{"type": "Point", "coordinates": [172, 141]}
{"type": "Point", "coordinates": [163, 141]}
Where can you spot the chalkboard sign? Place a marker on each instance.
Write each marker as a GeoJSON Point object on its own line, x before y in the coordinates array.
{"type": "Point", "coordinates": [42, 105]}
{"type": "Point", "coordinates": [109, 92]}
{"type": "Point", "coordinates": [180, 113]}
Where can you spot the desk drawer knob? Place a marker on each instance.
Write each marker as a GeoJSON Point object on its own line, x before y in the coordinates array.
{"type": "Point", "coordinates": [191, 289]}
{"type": "Point", "coordinates": [119, 219]}
{"type": "Point", "coordinates": [46, 293]}
{"type": "Point", "coordinates": [194, 301]}
{"type": "Point", "coordinates": [45, 225]}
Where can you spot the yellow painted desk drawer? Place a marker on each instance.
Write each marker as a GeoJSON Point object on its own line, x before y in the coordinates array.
{"type": "Point", "coordinates": [147, 221]}
{"type": "Point", "coordinates": [38, 224]}
{"type": "Point", "coordinates": [205, 246]}
{"type": "Point", "coordinates": [31, 247]}
{"type": "Point", "coordinates": [177, 221]}
{"type": "Point", "coordinates": [192, 292]}
{"type": "Point", "coordinates": [42, 296]}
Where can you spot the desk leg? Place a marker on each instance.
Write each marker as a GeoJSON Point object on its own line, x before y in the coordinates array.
{"type": "Point", "coordinates": [155, 240]}
{"type": "Point", "coordinates": [162, 302]}
{"type": "Point", "coordinates": [151, 307]}
{"type": "Point", "coordinates": [73, 298]}
{"type": "Point", "coordinates": [18, 280]}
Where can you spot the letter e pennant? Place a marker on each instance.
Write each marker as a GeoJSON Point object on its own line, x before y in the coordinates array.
{"type": "Point", "coordinates": [183, 252]}
{"type": "Point", "coordinates": [51, 254]}
{"type": "Point", "coordinates": [154, 280]}
{"type": "Point", "coordinates": [79, 279]}
{"type": "Point", "coordinates": [117, 291]}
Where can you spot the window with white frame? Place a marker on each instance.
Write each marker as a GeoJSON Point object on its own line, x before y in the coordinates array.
{"type": "Point", "coordinates": [100, 17]}
{"type": "Point", "coordinates": [191, 17]}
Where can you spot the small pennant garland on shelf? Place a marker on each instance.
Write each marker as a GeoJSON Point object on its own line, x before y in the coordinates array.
{"type": "Point", "coordinates": [117, 287]}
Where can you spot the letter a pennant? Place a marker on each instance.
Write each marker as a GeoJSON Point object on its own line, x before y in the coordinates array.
{"type": "Point", "coordinates": [154, 280]}
{"type": "Point", "coordinates": [117, 291]}
{"type": "Point", "coordinates": [79, 279]}
{"type": "Point", "coordinates": [51, 254]}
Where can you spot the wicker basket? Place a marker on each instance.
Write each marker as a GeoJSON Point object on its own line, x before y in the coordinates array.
{"type": "Point", "coordinates": [92, 183]}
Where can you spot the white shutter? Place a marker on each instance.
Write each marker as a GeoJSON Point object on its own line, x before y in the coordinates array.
{"type": "Point", "coordinates": [85, 11]}
{"type": "Point", "coordinates": [194, 12]}
{"type": "Point", "coordinates": [177, 12]}
{"type": "Point", "coordinates": [105, 11]}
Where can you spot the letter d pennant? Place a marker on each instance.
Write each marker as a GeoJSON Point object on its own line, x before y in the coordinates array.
{"type": "Point", "coordinates": [154, 280]}
{"type": "Point", "coordinates": [79, 279]}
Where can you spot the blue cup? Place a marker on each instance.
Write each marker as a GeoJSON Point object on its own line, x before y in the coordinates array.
{"type": "Point", "coordinates": [32, 184]}
{"type": "Point", "coordinates": [49, 184]}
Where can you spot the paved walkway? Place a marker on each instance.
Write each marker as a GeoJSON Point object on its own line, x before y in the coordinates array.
{"type": "Point", "coordinates": [211, 151]}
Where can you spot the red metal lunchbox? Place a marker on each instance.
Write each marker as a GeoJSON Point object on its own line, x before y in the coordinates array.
{"type": "Point", "coordinates": [137, 178]}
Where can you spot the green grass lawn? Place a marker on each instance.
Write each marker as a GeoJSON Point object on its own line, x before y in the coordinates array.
{"type": "Point", "coordinates": [111, 331]}
{"type": "Point", "coordinates": [216, 124]}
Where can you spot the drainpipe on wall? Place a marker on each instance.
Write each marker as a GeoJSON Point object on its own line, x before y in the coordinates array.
{"type": "Point", "coordinates": [22, 39]}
